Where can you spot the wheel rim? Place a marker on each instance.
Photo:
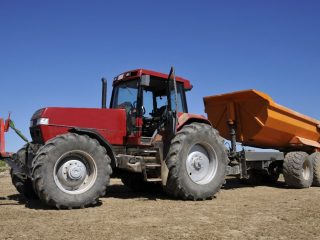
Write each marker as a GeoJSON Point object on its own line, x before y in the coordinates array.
{"type": "Point", "coordinates": [202, 164]}
{"type": "Point", "coordinates": [75, 172]}
{"type": "Point", "coordinates": [306, 170]}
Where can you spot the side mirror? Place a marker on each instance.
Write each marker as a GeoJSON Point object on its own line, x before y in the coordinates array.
{"type": "Point", "coordinates": [145, 80]}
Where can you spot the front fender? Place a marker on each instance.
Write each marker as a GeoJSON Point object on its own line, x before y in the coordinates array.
{"type": "Point", "coordinates": [103, 142]}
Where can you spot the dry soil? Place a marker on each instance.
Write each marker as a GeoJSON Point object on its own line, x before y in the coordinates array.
{"type": "Point", "coordinates": [238, 212]}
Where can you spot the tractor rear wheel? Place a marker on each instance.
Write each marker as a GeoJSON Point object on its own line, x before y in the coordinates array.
{"type": "Point", "coordinates": [22, 183]}
{"type": "Point", "coordinates": [315, 158]}
{"type": "Point", "coordinates": [197, 163]}
{"type": "Point", "coordinates": [298, 170]}
{"type": "Point", "coordinates": [71, 171]}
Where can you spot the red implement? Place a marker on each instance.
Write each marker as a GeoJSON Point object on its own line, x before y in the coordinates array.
{"type": "Point", "coordinates": [4, 127]}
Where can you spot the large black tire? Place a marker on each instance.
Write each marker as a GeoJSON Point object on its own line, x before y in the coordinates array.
{"type": "Point", "coordinates": [22, 183]}
{"type": "Point", "coordinates": [315, 158]}
{"type": "Point", "coordinates": [197, 163]}
{"type": "Point", "coordinates": [298, 170]}
{"type": "Point", "coordinates": [136, 183]}
{"type": "Point", "coordinates": [71, 171]}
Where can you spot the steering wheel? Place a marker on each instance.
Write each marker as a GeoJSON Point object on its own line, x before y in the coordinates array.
{"type": "Point", "coordinates": [143, 110]}
{"type": "Point", "coordinates": [134, 106]}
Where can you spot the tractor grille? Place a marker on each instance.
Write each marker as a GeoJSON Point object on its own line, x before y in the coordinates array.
{"type": "Point", "coordinates": [36, 135]}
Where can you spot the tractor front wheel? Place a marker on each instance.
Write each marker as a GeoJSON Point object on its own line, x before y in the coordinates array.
{"type": "Point", "coordinates": [22, 183]}
{"type": "Point", "coordinates": [71, 171]}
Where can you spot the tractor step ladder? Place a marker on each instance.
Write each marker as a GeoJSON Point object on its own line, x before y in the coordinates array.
{"type": "Point", "coordinates": [148, 167]}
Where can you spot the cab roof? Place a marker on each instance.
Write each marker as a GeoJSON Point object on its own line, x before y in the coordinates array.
{"type": "Point", "coordinates": [139, 72]}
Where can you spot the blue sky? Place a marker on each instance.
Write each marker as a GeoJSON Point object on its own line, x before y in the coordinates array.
{"type": "Point", "coordinates": [53, 53]}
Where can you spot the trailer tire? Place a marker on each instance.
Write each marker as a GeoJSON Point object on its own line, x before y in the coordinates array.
{"type": "Point", "coordinates": [315, 158]}
{"type": "Point", "coordinates": [71, 171]}
{"type": "Point", "coordinates": [20, 181]}
{"type": "Point", "coordinates": [197, 161]}
{"type": "Point", "coordinates": [298, 170]}
{"type": "Point", "coordinates": [136, 183]}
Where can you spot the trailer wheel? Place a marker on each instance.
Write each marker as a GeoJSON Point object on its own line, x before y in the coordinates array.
{"type": "Point", "coordinates": [136, 183]}
{"type": "Point", "coordinates": [298, 170]}
{"type": "Point", "coordinates": [197, 163]}
{"type": "Point", "coordinates": [315, 158]}
{"type": "Point", "coordinates": [22, 183]}
{"type": "Point", "coordinates": [71, 171]}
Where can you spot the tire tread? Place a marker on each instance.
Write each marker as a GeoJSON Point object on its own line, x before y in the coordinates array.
{"type": "Point", "coordinates": [292, 170]}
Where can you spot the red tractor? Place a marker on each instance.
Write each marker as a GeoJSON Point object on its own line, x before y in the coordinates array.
{"type": "Point", "coordinates": [146, 138]}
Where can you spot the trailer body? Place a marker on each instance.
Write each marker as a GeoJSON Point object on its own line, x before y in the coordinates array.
{"type": "Point", "coordinates": [260, 122]}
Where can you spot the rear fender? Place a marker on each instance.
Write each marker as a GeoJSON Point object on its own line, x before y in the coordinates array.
{"type": "Point", "coordinates": [187, 118]}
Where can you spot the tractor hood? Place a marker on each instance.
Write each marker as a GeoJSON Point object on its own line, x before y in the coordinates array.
{"type": "Point", "coordinates": [47, 123]}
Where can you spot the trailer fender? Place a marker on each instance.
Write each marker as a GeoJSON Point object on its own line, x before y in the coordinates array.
{"type": "Point", "coordinates": [94, 134]}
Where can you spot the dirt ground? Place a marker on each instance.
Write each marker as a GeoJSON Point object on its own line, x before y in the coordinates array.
{"type": "Point", "coordinates": [238, 212]}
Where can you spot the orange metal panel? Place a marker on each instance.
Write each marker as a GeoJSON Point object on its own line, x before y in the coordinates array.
{"type": "Point", "coordinates": [260, 121]}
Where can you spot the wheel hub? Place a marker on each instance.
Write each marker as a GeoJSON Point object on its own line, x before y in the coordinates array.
{"type": "Point", "coordinates": [72, 173]}
{"type": "Point", "coordinates": [201, 166]}
{"type": "Point", "coordinates": [76, 170]}
{"type": "Point", "coordinates": [305, 170]}
{"type": "Point", "coordinates": [197, 163]}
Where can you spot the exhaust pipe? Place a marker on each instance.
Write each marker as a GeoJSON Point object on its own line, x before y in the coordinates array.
{"type": "Point", "coordinates": [104, 93]}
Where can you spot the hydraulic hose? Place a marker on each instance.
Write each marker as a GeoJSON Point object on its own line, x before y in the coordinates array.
{"type": "Point", "coordinates": [17, 131]}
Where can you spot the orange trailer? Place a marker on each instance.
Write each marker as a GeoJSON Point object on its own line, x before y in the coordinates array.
{"type": "Point", "coordinates": [260, 122]}
{"type": "Point", "coordinates": [254, 119]}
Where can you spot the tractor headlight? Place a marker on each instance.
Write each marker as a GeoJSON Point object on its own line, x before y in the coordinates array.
{"type": "Point", "coordinates": [39, 121]}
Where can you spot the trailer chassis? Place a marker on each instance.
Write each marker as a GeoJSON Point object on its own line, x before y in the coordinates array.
{"type": "Point", "coordinates": [242, 161]}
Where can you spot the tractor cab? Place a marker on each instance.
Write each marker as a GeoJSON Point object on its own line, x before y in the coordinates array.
{"type": "Point", "coordinates": [147, 98]}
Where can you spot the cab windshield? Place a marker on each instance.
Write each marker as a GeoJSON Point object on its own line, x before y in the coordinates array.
{"type": "Point", "coordinates": [125, 95]}
{"type": "Point", "coordinates": [149, 101]}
